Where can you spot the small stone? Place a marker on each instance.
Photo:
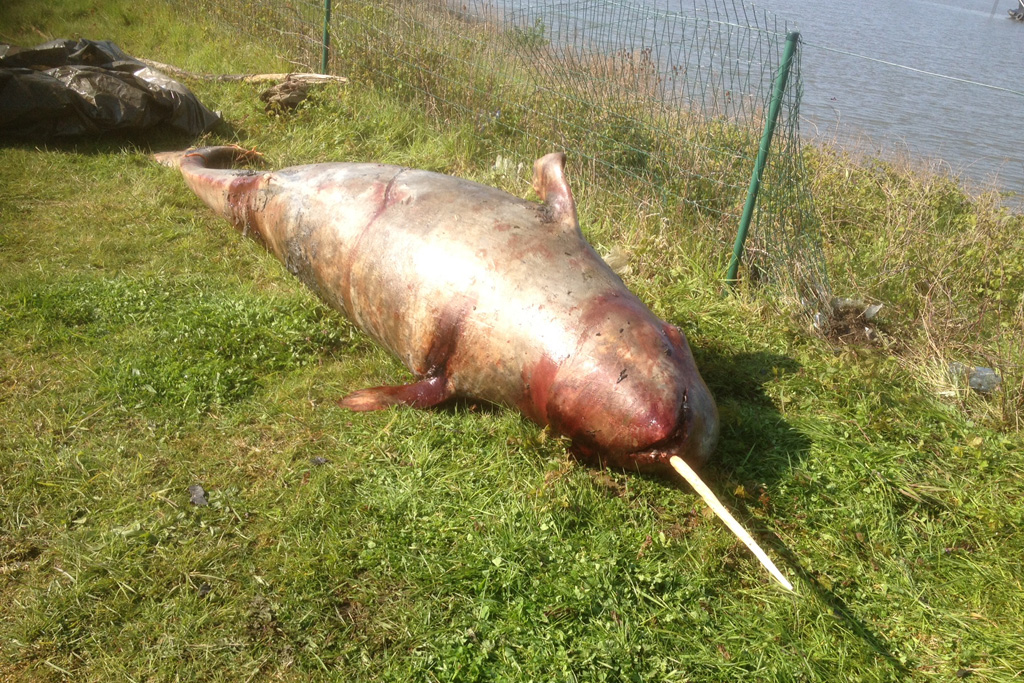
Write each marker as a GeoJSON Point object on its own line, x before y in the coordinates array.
{"type": "Point", "coordinates": [197, 495]}
{"type": "Point", "coordinates": [982, 380]}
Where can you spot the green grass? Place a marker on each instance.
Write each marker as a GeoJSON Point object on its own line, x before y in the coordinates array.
{"type": "Point", "coordinates": [147, 348]}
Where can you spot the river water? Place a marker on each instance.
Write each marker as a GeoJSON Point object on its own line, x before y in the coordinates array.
{"type": "Point", "coordinates": [945, 119]}
{"type": "Point", "coordinates": [977, 132]}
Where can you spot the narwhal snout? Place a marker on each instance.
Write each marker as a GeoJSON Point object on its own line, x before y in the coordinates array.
{"type": "Point", "coordinates": [700, 428]}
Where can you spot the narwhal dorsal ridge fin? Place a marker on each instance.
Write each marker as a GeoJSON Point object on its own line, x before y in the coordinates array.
{"type": "Point", "coordinates": [553, 189]}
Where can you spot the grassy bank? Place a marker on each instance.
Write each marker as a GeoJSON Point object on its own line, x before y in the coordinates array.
{"type": "Point", "coordinates": [147, 349]}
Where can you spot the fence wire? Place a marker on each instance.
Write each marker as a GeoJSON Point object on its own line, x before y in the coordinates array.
{"type": "Point", "coordinates": [670, 99]}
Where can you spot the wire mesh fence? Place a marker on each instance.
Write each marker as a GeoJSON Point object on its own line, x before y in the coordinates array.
{"type": "Point", "coordinates": [292, 29]}
{"type": "Point", "coordinates": [665, 102]}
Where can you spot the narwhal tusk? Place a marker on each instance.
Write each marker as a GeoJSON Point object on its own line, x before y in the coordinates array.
{"type": "Point", "coordinates": [700, 487]}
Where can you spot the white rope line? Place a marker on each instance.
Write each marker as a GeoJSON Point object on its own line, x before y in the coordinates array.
{"type": "Point", "coordinates": [910, 68]}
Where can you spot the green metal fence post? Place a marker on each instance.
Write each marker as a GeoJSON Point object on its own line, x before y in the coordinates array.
{"type": "Point", "coordinates": [762, 155]}
{"type": "Point", "coordinates": [327, 36]}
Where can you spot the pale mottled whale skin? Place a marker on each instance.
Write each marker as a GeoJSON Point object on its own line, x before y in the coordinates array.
{"type": "Point", "coordinates": [481, 294]}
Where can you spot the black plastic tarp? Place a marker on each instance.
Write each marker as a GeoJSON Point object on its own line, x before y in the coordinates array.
{"type": "Point", "coordinates": [70, 88]}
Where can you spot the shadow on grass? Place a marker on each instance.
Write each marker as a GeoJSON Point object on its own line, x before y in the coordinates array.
{"type": "Point", "coordinates": [758, 444]}
{"type": "Point", "coordinates": [835, 604]}
{"type": "Point", "coordinates": [156, 139]}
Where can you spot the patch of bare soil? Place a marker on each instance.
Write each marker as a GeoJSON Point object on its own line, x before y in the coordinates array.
{"type": "Point", "coordinates": [849, 326]}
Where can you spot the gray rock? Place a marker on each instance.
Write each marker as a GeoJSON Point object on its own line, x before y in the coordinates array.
{"type": "Point", "coordinates": [197, 495]}
{"type": "Point", "coordinates": [981, 379]}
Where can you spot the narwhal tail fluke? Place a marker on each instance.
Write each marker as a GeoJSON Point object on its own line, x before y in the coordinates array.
{"type": "Point", "coordinates": [219, 157]}
{"type": "Point", "coordinates": [209, 172]}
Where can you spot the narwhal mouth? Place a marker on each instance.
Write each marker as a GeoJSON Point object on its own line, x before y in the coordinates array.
{"type": "Point", "coordinates": [694, 440]}
{"type": "Point", "coordinates": [688, 440]}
